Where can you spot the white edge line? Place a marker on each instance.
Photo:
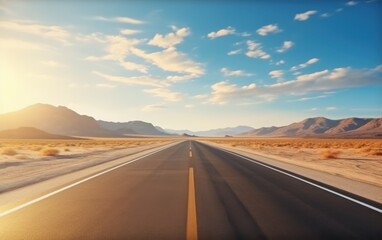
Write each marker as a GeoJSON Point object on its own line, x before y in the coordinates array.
{"type": "Point", "coordinates": [305, 181]}
{"type": "Point", "coordinates": [74, 184]}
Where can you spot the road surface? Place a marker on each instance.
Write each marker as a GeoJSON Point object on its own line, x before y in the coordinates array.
{"type": "Point", "coordinates": [194, 191]}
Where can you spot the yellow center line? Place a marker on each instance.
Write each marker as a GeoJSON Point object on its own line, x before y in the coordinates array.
{"type": "Point", "coordinates": [192, 228]}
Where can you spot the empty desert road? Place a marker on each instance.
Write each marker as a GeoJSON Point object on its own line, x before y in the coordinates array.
{"type": "Point", "coordinates": [193, 191]}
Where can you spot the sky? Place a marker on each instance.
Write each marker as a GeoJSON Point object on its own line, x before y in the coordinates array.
{"type": "Point", "coordinates": [192, 64]}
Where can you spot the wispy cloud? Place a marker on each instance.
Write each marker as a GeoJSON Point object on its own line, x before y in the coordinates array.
{"type": "Point", "coordinates": [117, 47]}
{"type": "Point", "coordinates": [280, 62]}
{"type": "Point", "coordinates": [255, 50]}
{"type": "Point", "coordinates": [171, 39]}
{"type": "Point", "coordinates": [278, 74]}
{"type": "Point", "coordinates": [331, 108]}
{"type": "Point", "coordinates": [154, 107]}
{"type": "Point", "coordinates": [221, 33]}
{"type": "Point", "coordinates": [128, 20]}
{"type": "Point", "coordinates": [127, 31]}
{"type": "Point", "coordinates": [133, 66]}
{"type": "Point", "coordinates": [351, 3]}
{"type": "Point", "coordinates": [140, 80]}
{"type": "Point", "coordinates": [171, 60]}
{"type": "Point", "coordinates": [286, 45]}
{"type": "Point", "coordinates": [234, 73]}
{"type": "Point", "coordinates": [304, 16]}
{"type": "Point", "coordinates": [322, 81]}
{"type": "Point", "coordinates": [265, 30]}
{"type": "Point", "coordinates": [309, 98]}
{"type": "Point", "coordinates": [46, 31]}
{"type": "Point", "coordinates": [165, 93]}
{"type": "Point", "coordinates": [223, 91]}
{"type": "Point", "coordinates": [234, 52]}
{"type": "Point", "coordinates": [304, 65]}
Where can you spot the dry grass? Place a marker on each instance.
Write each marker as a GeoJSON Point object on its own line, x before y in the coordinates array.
{"type": "Point", "coordinates": [34, 149]}
{"type": "Point", "coordinates": [50, 152]}
{"type": "Point", "coordinates": [357, 159]}
{"type": "Point", "coordinates": [9, 152]}
{"type": "Point", "coordinates": [329, 153]}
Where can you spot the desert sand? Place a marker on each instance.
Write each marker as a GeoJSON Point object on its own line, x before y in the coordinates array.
{"type": "Point", "coordinates": [23, 162]}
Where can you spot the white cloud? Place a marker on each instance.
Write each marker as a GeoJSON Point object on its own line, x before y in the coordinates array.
{"type": "Point", "coordinates": [304, 65]}
{"type": "Point", "coordinates": [221, 33]}
{"type": "Point", "coordinates": [171, 39]}
{"type": "Point", "coordinates": [304, 16]}
{"type": "Point", "coordinates": [286, 45]}
{"type": "Point", "coordinates": [127, 31]}
{"type": "Point", "coordinates": [189, 106]}
{"type": "Point", "coordinates": [92, 37]}
{"type": "Point", "coordinates": [117, 48]}
{"type": "Point", "coordinates": [265, 30]}
{"type": "Point", "coordinates": [276, 74]}
{"type": "Point", "coordinates": [174, 79]}
{"type": "Point", "coordinates": [236, 73]}
{"type": "Point", "coordinates": [140, 80]}
{"type": "Point", "coordinates": [325, 15]}
{"type": "Point", "coordinates": [351, 3]}
{"type": "Point", "coordinates": [165, 93]}
{"type": "Point", "coordinates": [46, 31]}
{"type": "Point", "coordinates": [280, 62]}
{"type": "Point", "coordinates": [322, 81]}
{"type": "Point", "coordinates": [223, 91]}
{"type": "Point", "coordinates": [331, 108]}
{"type": "Point", "coordinates": [309, 98]}
{"type": "Point", "coordinates": [234, 52]}
{"type": "Point", "coordinates": [119, 19]}
{"type": "Point", "coordinates": [153, 107]}
{"type": "Point", "coordinates": [171, 60]}
{"type": "Point", "coordinates": [255, 50]}
{"type": "Point", "coordinates": [132, 66]}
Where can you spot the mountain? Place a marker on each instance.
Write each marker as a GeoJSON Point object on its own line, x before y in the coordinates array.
{"type": "Point", "coordinates": [56, 120]}
{"type": "Point", "coordinates": [30, 133]}
{"type": "Point", "coordinates": [131, 127]}
{"type": "Point", "coordinates": [320, 126]}
{"type": "Point", "coordinates": [214, 132]}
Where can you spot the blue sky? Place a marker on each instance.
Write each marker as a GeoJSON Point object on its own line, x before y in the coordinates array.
{"type": "Point", "coordinates": [194, 65]}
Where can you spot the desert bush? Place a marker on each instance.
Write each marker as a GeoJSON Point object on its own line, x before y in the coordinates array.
{"type": "Point", "coordinates": [9, 152]}
{"type": "Point", "coordinates": [329, 153]}
{"type": "Point", "coordinates": [50, 152]}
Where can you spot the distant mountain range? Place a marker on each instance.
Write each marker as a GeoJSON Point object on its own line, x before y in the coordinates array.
{"type": "Point", "coordinates": [47, 121]}
{"type": "Point", "coordinates": [64, 121]}
{"type": "Point", "coordinates": [219, 132]}
{"type": "Point", "coordinates": [30, 133]}
{"type": "Point", "coordinates": [132, 127]}
{"type": "Point", "coordinates": [320, 126]}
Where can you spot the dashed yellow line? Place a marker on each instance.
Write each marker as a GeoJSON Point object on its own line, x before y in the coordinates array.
{"type": "Point", "coordinates": [192, 228]}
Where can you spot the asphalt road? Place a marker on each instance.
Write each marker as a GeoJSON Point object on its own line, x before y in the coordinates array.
{"type": "Point", "coordinates": [206, 193]}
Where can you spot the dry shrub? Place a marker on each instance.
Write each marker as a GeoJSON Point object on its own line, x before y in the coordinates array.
{"type": "Point", "coordinates": [376, 152]}
{"type": "Point", "coordinates": [50, 152]}
{"type": "Point", "coordinates": [329, 153]}
{"type": "Point", "coordinates": [9, 152]}
{"type": "Point", "coordinates": [67, 150]}
{"type": "Point", "coordinates": [21, 157]}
